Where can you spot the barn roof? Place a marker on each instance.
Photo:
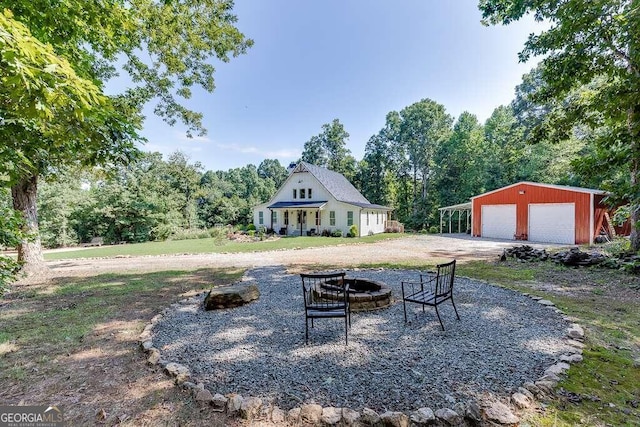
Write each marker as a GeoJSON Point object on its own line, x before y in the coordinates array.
{"type": "Point", "coordinates": [553, 186]}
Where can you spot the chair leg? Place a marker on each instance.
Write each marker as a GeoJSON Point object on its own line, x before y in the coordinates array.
{"type": "Point", "coordinates": [438, 314]}
{"type": "Point", "coordinates": [404, 306]}
{"type": "Point", "coordinates": [306, 330]}
{"type": "Point", "coordinates": [455, 309]}
{"type": "Point", "coordinates": [346, 332]}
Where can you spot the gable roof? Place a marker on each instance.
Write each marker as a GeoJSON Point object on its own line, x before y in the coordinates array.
{"type": "Point", "coordinates": [337, 185]}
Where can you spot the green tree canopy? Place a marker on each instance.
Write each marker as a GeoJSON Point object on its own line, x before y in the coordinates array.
{"type": "Point", "coordinates": [593, 44]}
{"type": "Point", "coordinates": [56, 60]}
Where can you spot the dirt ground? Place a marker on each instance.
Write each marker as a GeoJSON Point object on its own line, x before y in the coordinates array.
{"type": "Point", "coordinates": [422, 248]}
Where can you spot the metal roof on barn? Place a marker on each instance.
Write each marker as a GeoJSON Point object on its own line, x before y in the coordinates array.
{"type": "Point", "coordinates": [553, 186]}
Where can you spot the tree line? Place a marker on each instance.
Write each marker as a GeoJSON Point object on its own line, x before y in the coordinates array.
{"type": "Point", "coordinates": [422, 159]}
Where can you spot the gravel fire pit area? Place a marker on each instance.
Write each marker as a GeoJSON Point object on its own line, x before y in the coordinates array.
{"type": "Point", "coordinates": [503, 340]}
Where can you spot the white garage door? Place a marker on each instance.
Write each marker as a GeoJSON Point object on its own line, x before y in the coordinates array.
{"type": "Point", "coordinates": [499, 221]}
{"type": "Point", "coordinates": [553, 223]}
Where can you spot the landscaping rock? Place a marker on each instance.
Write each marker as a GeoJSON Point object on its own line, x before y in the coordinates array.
{"type": "Point", "coordinates": [575, 257]}
{"type": "Point", "coordinates": [350, 417]}
{"type": "Point", "coordinates": [423, 417]}
{"type": "Point", "coordinates": [234, 403]}
{"type": "Point", "coordinates": [394, 419]}
{"type": "Point", "coordinates": [526, 253]}
{"type": "Point", "coordinates": [331, 416]}
{"type": "Point", "coordinates": [250, 407]}
{"type": "Point", "coordinates": [576, 332]}
{"type": "Point", "coordinates": [204, 396]}
{"type": "Point", "coordinates": [449, 416]}
{"type": "Point", "coordinates": [370, 417]}
{"type": "Point", "coordinates": [557, 369]}
{"type": "Point", "coordinates": [546, 302]}
{"type": "Point", "coordinates": [310, 413]}
{"type": "Point", "coordinates": [526, 393]}
{"type": "Point", "coordinates": [277, 415]}
{"type": "Point", "coordinates": [219, 403]}
{"type": "Point", "coordinates": [520, 400]}
{"type": "Point", "coordinates": [146, 345]}
{"type": "Point", "coordinates": [154, 356]}
{"type": "Point", "coordinates": [473, 411]}
{"type": "Point", "coordinates": [231, 296]}
{"type": "Point", "coordinates": [571, 358]}
{"type": "Point", "coordinates": [500, 413]}
{"type": "Point", "coordinates": [294, 415]}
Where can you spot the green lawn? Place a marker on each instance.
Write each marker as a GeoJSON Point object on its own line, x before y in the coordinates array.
{"type": "Point", "coordinates": [200, 246]}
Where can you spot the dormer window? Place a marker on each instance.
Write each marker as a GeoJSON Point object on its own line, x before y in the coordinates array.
{"type": "Point", "coordinates": [309, 193]}
{"type": "Point", "coordinates": [302, 193]}
{"type": "Point", "coordinates": [295, 193]}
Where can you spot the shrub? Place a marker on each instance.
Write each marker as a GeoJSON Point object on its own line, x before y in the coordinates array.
{"type": "Point", "coordinates": [336, 233]}
{"type": "Point", "coordinates": [434, 230]}
{"type": "Point", "coordinates": [251, 233]}
{"type": "Point", "coordinates": [326, 233]}
{"type": "Point", "coordinates": [353, 231]}
{"type": "Point", "coordinates": [251, 227]}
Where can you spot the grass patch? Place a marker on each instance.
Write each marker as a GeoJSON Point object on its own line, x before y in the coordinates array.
{"type": "Point", "coordinates": [80, 333]}
{"type": "Point", "coordinates": [603, 389]}
{"type": "Point", "coordinates": [199, 246]}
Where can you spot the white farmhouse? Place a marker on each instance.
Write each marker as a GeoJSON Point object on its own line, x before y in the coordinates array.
{"type": "Point", "coordinates": [314, 199]}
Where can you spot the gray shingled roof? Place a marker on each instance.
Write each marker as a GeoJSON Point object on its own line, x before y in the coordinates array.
{"type": "Point", "coordinates": [338, 186]}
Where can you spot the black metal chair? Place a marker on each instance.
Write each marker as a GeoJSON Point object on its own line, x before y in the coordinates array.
{"type": "Point", "coordinates": [326, 296]}
{"type": "Point", "coordinates": [432, 289]}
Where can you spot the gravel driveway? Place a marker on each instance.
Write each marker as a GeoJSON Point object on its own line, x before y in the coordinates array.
{"type": "Point", "coordinates": [428, 248]}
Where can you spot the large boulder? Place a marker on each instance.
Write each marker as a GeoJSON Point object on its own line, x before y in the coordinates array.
{"type": "Point", "coordinates": [231, 296]}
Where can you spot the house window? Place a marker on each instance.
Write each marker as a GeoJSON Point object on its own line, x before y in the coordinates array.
{"type": "Point", "coordinates": [317, 217]}
{"type": "Point", "coordinates": [349, 218]}
{"type": "Point", "coordinates": [286, 217]}
{"type": "Point", "coordinates": [302, 193]}
{"type": "Point", "coordinates": [261, 218]}
{"type": "Point", "coordinates": [295, 193]}
{"type": "Point", "coordinates": [332, 217]}
{"type": "Point", "coordinates": [309, 193]}
{"type": "Point", "coordinates": [274, 217]}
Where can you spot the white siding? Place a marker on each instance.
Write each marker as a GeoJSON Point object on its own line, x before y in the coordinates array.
{"type": "Point", "coordinates": [306, 181]}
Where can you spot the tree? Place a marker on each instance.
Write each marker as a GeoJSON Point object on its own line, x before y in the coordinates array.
{"type": "Point", "coordinates": [461, 162]}
{"type": "Point", "coordinates": [595, 44]}
{"type": "Point", "coordinates": [55, 61]}
{"type": "Point", "coordinates": [48, 112]}
{"type": "Point", "coordinates": [329, 149]}
{"type": "Point", "coordinates": [272, 169]}
{"type": "Point", "coordinates": [423, 126]}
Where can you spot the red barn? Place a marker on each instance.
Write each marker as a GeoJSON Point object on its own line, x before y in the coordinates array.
{"type": "Point", "coordinates": [540, 213]}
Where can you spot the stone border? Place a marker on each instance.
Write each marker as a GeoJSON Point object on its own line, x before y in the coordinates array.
{"type": "Point", "coordinates": [486, 412]}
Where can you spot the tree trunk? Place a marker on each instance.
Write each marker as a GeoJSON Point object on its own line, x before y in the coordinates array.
{"type": "Point", "coordinates": [30, 249]}
{"type": "Point", "coordinates": [633, 124]}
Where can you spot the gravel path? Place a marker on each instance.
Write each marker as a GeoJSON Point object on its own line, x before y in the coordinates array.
{"type": "Point", "coordinates": [503, 340]}
{"type": "Point", "coordinates": [426, 248]}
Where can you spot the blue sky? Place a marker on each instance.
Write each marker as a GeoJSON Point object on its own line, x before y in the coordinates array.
{"type": "Point", "coordinates": [354, 60]}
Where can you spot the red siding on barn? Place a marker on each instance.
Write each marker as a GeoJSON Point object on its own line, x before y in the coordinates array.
{"type": "Point", "coordinates": [524, 194]}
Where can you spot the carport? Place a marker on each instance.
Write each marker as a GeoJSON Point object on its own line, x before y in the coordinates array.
{"type": "Point", "coordinates": [460, 213]}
